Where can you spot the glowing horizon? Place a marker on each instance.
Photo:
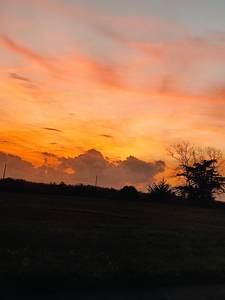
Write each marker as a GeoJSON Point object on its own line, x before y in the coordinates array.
{"type": "Point", "coordinates": [122, 79]}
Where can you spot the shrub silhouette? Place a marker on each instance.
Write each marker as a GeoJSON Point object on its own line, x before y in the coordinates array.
{"type": "Point", "coordinates": [129, 192]}
{"type": "Point", "coordinates": [161, 191]}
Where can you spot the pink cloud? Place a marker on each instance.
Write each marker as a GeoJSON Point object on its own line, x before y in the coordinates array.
{"type": "Point", "coordinates": [26, 52]}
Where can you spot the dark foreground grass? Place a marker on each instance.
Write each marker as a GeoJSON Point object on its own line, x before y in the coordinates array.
{"type": "Point", "coordinates": [77, 243]}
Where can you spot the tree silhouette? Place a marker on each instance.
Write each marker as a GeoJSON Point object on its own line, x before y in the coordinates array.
{"type": "Point", "coordinates": [129, 192]}
{"type": "Point", "coordinates": [202, 181]}
{"type": "Point", "coordinates": [161, 191]}
{"type": "Point", "coordinates": [187, 154]}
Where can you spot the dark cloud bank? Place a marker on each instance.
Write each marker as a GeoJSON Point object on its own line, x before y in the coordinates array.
{"type": "Point", "coordinates": [83, 169]}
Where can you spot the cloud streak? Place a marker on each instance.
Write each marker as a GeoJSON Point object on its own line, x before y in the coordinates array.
{"type": "Point", "coordinates": [26, 52]}
{"type": "Point", "coordinates": [19, 77]}
{"type": "Point", "coordinates": [107, 136]}
{"type": "Point", "coordinates": [52, 129]}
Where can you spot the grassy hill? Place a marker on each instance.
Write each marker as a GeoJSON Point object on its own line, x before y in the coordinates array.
{"type": "Point", "coordinates": [50, 241]}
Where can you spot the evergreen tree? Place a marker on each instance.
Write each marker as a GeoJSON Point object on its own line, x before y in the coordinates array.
{"type": "Point", "coordinates": [202, 181]}
{"type": "Point", "coordinates": [161, 191]}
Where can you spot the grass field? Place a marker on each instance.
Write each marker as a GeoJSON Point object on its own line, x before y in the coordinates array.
{"type": "Point", "coordinates": [50, 241]}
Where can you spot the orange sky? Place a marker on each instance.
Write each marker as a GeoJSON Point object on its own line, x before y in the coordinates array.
{"type": "Point", "coordinates": [75, 77]}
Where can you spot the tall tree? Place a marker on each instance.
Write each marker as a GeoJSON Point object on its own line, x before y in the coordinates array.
{"type": "Point", "coordinates": [185, 153]}
{"type": "Point", "coordinates": [202, 181]}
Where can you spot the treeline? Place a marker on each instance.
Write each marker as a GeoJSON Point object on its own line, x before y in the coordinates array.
{"type": "Point", "coordinates": [10, 185]}
{"type": "Point", "coordinates": [161, 192]}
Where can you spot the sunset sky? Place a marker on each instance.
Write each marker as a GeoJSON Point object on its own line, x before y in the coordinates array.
{"type": "Point", "coordinates": [101, 86]}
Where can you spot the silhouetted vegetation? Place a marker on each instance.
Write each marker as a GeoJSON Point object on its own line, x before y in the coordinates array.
{"type": "Point", "coordinates": [161, 191]}
{"type": "Point", "coordinates": [200, 168]}
{"type": "Point", "coordinates": [187, 154]}
{"type": "Point", "coordinates": [202, 181]}
{"type": "Point", "coordinates": [198, 187]}
{"type": "Point", "coordinates": [129, 192]}
{"type": "Point", "coordinates": [23, 186]}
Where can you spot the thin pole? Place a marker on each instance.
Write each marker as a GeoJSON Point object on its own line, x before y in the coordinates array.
{"type": "Point", "coordinates": [4, 172]}
{"type": "Point", "coordinates": [96, 180]}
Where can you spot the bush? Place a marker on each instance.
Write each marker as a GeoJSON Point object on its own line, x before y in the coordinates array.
{"type": "Point", "coordinates": [161, 191]}
{"type": "Point", "coordinates": [129, 192]}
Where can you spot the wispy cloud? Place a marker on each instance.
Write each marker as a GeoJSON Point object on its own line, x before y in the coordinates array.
{"type": "Point", "coordinates": [19, 77]}
{"type": "Point", "coordinates": [52, 129]}
{"type": "Point", "coordinates": [16, 47]}
{"type": "Point", "coordinates": [107, 136]}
